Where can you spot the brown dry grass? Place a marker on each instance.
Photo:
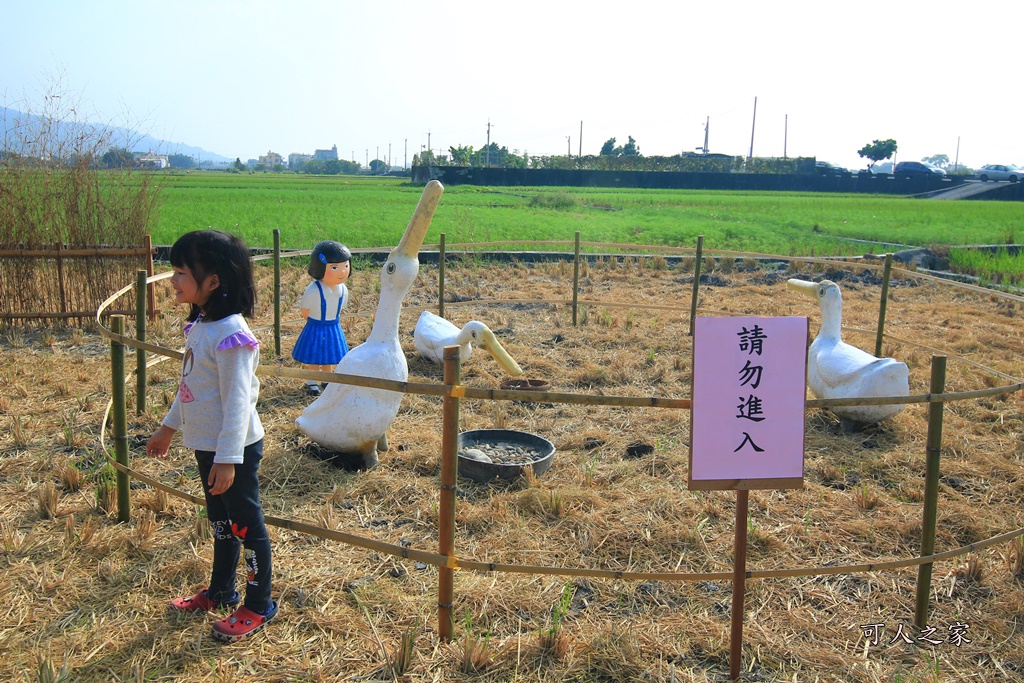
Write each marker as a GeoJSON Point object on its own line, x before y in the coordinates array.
{"type": "Point", "coordinates": [89, 595]}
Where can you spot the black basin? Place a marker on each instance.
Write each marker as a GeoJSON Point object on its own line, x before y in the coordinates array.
{"type": "Point", "coordinates": [487, 471]}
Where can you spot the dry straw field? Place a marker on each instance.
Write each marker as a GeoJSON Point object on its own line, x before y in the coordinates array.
{"type": "Point", "coordinates": [85, 597]}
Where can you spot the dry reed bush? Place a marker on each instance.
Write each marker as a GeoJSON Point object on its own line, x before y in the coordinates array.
{"type": "Point", "coordinates": [595, 508]}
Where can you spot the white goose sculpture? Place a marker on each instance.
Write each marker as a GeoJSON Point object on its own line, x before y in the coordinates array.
{"type": "Point", "coordinates": [353, 419]}
{"type": "Point", "coordinates": [836, 369]}
{"type": "Point", "coordinates": [432, 333]}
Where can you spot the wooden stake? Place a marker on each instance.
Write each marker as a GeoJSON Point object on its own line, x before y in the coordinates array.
{"type": "Point", "coordinates": [120, 416]}
{"type": "Point", "coordinates": [933, 447]}
{"type": "Point", "coordinates": [881, 306]}
{"type": "Point", "coordinates": [576, 279]}
{"type": "Point", "coordinates": [277, 292]}
{"type": "Point", "coordinates": [697, 258]}
{"type": "Point", "coordinates": [140, 334]}
{"type": "Point", "coordinates": [440, 277]}
{"type": "Point", "coordinates": [60, 281]}
{"type": "Point", "coordinates": [449, 477]}
{"type": "Point", "coordinates": [150, 271]}
{"type": "Point", "coordinates": [739, 583]}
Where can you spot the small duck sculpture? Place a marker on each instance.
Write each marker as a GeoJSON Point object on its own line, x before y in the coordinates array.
{"type": "Point", "coordinates": [432, 333]}
{"type": "Point", "coordinates": [836, 369]}
{"type": "Point", "coordinates": [354, 419]}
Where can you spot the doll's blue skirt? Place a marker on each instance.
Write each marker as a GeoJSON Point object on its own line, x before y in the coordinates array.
{"type": "Point", "coordinates": [321, 342]}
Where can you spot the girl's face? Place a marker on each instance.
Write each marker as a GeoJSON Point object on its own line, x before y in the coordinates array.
{"type": "Point", "coordinates": [188, 291]}
{"type": "Point", "coordinates": [336, 273]}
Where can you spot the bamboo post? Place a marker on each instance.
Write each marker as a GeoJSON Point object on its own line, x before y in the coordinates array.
{"type": "Point", "coordinates": [440, 277]}
{"type": "Point", "coordinates": [140, 333]}
{"type": "Point", "coordinates": [150, 271]}
{"type": "Point", "coordinates": [739, 583]}
{"type": "Point", "coordinates": [933, 447]}
{"type": "Point", "coordinates": [697, 259]}
{"type": "Point", "coordinates": [576, 278]}
{"type": "Point", "coordinates": [885, 300]}
{"type": "Point", "coordinates": [277, 292]}
{"type": "Point", "coordinates": [120, 426]}
{"type": "Point", "coordinates": [449, 476]}
{"type": "Point", "coordinates": [60, 281]}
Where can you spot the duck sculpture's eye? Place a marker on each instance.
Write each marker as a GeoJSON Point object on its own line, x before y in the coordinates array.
{"type": "Point", "coordinates": [472, 334]}
{"type": "Point", "coordinates": [821, 292]}
{"type": "Point", "coordinates": [390, 268]}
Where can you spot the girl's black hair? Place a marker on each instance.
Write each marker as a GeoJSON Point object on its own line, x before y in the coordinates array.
{"type": "Point", "coordinates": [326, 252]}
{"type": "Point", "coordinates": [206, 252]}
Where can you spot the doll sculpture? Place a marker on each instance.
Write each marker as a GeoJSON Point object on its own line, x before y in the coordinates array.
{"type": "Point", "coordinates": [322, 344]}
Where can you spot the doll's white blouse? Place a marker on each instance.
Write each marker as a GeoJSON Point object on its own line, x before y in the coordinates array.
{"type": "Point", "coordinates": [311, 299]}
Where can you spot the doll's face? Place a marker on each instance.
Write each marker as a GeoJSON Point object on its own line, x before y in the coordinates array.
{"type": "Point", "coordinates": [188, 291]}
{"type": "Point", "coordinates": [336, 273]}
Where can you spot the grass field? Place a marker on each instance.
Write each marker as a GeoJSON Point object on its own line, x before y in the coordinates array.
{"type": "Point", "coordinates": [373, 211]}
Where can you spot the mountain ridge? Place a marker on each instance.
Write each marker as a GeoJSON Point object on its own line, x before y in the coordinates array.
{"type": "Point", "coordinates": [11, 119]}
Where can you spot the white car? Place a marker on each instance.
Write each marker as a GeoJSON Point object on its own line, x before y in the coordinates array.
{"type": "Point", "coordinates": [1000, 172]}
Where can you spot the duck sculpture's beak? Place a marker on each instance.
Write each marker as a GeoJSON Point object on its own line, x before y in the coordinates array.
{"type": "Point", "coordinates": [489, 343]}
{"type": "Point", "coordinates": [412, 240]}
{"type": "Point", "coordinates": [804, 287]}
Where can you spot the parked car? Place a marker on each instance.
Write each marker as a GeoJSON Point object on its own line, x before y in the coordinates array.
{"type": "Point", "coordinates": [1000, 172]}
{"type": "Point", "coordinates": [910, 169]}
{"type": "Point", "coordinates": [825, 168]}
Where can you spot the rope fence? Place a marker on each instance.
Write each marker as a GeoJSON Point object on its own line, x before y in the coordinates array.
{"type": "Point", "coordinates": [451, 391]}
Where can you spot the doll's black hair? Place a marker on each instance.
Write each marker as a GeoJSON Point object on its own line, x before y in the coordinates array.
{"type": "Point", "coordinates": [206, 252]}
{"type": "Point", "coordinates": [326, 252]}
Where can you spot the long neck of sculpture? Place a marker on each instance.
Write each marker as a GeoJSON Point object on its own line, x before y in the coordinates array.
{"type": "Point", "coordinates": [832, 318]}
{"type": "Point", "coordinates": [385, 320]}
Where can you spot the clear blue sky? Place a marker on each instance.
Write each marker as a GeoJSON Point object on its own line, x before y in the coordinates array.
{"type": "Point", "coordinates": [239, 78]}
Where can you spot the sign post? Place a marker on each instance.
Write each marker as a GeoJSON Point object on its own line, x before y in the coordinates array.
{"type": "Point", "coordinates": [747, 422]}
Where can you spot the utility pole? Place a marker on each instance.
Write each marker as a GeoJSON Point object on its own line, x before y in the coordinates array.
{"type": "Point", "coordinates": [389, 156]}
{"type": "Point", "coordinates": [752, 124]}
{"type": "Point", "coordinates": [785, 137]}
{"type": "Point", "coordinates": [367, 157]}
{"type": "Point", "coordinates": [405, 163]}
{"type": "Point", "coordinates": [488, 155]}
{"type": "Point", "coordinates": [956, 161]}
{"type": "Point", "coordinates": [581, 141]}
{"type": "Point", "coordinates": [568, 140]}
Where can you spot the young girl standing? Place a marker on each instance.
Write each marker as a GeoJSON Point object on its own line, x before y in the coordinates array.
{"type": "Point", "coordinates": [215, 410]}
{"type": "Point", "coordinates": [321, 344]}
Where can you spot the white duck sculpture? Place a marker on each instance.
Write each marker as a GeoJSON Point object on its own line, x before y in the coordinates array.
{"type": "Point", "coordinates": [432, 333]}
{"type": "Point", "coordinates": [836, 369]}
{"type": "Point", "coordinates": [354, 419]}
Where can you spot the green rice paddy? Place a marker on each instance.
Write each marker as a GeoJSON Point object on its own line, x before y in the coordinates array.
{"type": "Point", "coordinates": [372, 212]}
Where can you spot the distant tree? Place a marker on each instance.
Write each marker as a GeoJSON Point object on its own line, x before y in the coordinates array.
{"type": "Point", "coordinates": [117, 157]}
{"type": "Point", "coordinates": [515, 160]}
{"type": "Point", "coordinates": [878, 150]}
{"type": "Point", "coordinates": [239, 166]}
{"type": "Point", "coordinates": [940, 160]}
{"type": "Point", "coordinates": [461, 155]}
{"type": "Point", "coordinates": [181, 161]}
{"type": "Point", "coordinates": [278, 168]}
{"type": "Point", "coordinates": [313, 167]}
{"type": "Point", "coordinates": [378, 167]}
{"type": "Point", "coordinates": [608, 149]}
{"type": "Point", "coordinates": [491, 154]}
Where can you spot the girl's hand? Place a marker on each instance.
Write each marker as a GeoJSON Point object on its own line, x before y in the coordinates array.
{"type": "Point", "coordinates": [222, 476]}
{"type": "Point", "coordinates": [160, 442]}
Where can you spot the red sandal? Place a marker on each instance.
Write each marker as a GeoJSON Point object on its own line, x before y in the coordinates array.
{"type": "Point", "coordinates": [201, 602]}
{"type": "Point", "coordinates": [242, 624]}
